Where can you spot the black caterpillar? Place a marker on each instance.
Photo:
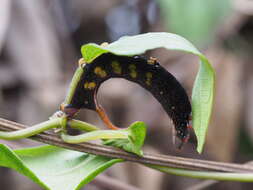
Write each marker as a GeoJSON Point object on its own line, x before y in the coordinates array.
{"type": "Point", "coordinates": [147, 73]}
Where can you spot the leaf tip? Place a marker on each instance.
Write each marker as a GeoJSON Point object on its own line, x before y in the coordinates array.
{"type": "Point", "coordinates": [91, 51]}
{"type": "Point", "coordinates": [200, 147]}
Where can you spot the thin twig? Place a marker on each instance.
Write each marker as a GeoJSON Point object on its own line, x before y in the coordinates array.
{"type": "Point", "coordinates": [162, 160]}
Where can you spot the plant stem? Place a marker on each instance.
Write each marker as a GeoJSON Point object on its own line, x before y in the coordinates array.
{"type": "Point", "coordinates": [30, 131]}
{"type": "Point", "coordinates": [82, 125]}
{"type": "Point", "coordinates": [221, 176]}
{"type": "Point", "coordinates": [161, 160]}
{"type": "Point", "coordinates": [101, 150]}
{"type": "Point", "coordinates": [94, 135]}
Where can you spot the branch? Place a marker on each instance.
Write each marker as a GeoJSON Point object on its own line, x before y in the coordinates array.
{"type": "Point", "coordinates": [162, 160]}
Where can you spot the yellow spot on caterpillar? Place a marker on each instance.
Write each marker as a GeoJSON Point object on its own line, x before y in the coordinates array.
{"type": "Point", "coordinates": [92, 85]}
{"type": "Point", "coordinates": [133, 74]}
{"type": "Point", "coordinates": [149, 75]}
{"type": "Point", "coordinates": [132, 69]}
{"type": "Point", "coordinates": [149, 78]}
{"type": "Point", "coordinates": [116, 67]}
{"type": "Point", "coordinates": [62, 106]}
{"type": "Point", "coordinates": [100, 72]}
{"type": "Point", "coordinates": [86, 84]}
{"type": "Point", "coordinates": [152, 61]}
{"type": "Point", "coordinates": [89, 85]}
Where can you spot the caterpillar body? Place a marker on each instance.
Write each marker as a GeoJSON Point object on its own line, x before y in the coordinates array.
{"type": "Point", "coordinates": [147, 73]}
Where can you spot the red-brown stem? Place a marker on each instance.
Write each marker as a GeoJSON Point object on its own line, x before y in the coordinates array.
{"type": "Point", "coordinates": [102, 114]}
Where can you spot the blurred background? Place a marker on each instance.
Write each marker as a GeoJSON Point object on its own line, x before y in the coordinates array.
{"type": "Point", "coordinates": [40, 45]}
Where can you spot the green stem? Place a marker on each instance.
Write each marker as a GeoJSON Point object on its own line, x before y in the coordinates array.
{"type": "Point", "coordinates": [76, 124]}
{"type": "Point", "coordinates": [94, 135]}
{"type": "Point", "coordinates": [221, 176]}
{"type": "Point", "coordinates": [30, 131]}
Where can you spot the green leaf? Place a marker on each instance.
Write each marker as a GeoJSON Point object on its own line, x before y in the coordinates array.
{"type": "Point", "coordinates": [139, 44]}
{"type": "Point", "coordinates": [203, 90]}
{"type": "Point", "coordinates": [55, 168]}
{"type": "Point", "coordinates": [9, 159]}
{"type": "Point", "coordinates": [203, 16]}
{"type": "Point", "coordinates": [136, 138]}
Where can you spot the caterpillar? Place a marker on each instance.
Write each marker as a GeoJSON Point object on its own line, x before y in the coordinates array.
{"type": "Point", "coordinates": [148, 73]}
